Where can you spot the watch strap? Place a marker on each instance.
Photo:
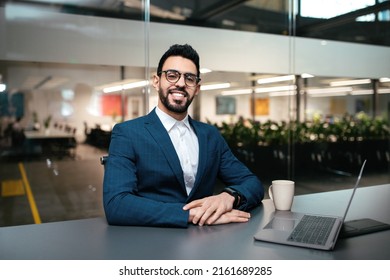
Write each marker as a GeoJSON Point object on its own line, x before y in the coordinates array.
{"type": "Point", "coordinates": [237, 196]}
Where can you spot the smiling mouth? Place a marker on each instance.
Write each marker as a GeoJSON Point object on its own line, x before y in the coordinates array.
{"type": "Point", "coordinates": [178, 95]}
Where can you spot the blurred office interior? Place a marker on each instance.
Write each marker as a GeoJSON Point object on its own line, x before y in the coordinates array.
{"type": "Point", "coordinates": [300, 89]}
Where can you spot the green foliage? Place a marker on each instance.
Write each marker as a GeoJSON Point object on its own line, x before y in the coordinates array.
{"type": "Point", "coordinates": [46, 122]}
{"type": "Point", "coordinates": [247, 132]}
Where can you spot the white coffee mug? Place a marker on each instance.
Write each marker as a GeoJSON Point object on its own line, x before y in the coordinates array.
{"type": "Point", "coordinates": [281, 193]}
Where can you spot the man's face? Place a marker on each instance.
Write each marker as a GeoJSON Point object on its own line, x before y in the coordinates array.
{"type": "Point", "coordinates": [176, 97]}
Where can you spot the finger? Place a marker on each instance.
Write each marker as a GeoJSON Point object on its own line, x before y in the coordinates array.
{"type": "Point", "coordinates": [205, 213]}
{"type": "Point", "coordinates": [234, 216]}
{"type": "Point", "coordinates": [240, 220]}
{"type": "Point", "coordinates": [194, 214]}
{"type": "Point", "coordinates": [242, 214]}
{"type": "Point", "coordinates": [214, 216]}
{"type": "Point", "coordinates": [193, 204]}
{"type": "Point", "coordinates": [210, 214]}
{"type": "Point", "coordinates": [197, 214]}
{"type": "Point", "coordinates": [225, 219]}
{"type": "Point", "coordinates": [197, 217]}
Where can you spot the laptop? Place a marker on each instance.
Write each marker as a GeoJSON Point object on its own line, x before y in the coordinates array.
{"type": "Point", "coordinates": [305, 230]}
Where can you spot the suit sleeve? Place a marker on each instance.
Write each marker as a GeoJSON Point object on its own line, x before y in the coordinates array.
{"type": "Point", "coordinates": [237, 176]}
{"type": "Point", "coordinates": [122, 205]}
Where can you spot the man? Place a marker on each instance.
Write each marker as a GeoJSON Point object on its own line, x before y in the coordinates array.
{"type": "Point", "coordinates": [162, 167]}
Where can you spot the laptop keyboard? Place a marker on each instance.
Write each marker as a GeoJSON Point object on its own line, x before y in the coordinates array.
{"type": "Point", "coordinates": [312, 230]}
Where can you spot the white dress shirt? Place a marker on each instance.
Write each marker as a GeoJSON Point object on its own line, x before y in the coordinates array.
{"type": "Point", "coordinates": [186, 145]}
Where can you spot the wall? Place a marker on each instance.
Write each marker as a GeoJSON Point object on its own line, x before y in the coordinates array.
{"type": "Point", "coordinates": [73, 39]}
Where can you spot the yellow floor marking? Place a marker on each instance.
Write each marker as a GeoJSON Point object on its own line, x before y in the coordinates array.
{"type": "Point", "coordinates": [30, 196]}
{"type": "Point", "coordinates": [12, 188]}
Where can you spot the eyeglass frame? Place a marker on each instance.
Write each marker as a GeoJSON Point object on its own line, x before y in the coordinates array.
{"type": "Point", "coordinates": [197, 78]}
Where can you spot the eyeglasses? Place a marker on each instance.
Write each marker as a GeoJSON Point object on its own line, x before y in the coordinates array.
{"type": "Point", "coordinates": [173, 76]}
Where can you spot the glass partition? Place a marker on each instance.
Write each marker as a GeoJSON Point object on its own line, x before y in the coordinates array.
{"type": "Point", "coordinates": [296, 95]}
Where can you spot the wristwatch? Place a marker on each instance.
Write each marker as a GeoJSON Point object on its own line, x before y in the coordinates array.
{"type": "Point", "coordinates": [237, 196]}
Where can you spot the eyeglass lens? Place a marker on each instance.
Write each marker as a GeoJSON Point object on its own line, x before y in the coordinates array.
{"type": "Point", "coordinates": [173, 76]}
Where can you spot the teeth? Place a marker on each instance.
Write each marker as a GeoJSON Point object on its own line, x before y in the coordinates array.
{"type": "Point", "coordinates": [178, 94]}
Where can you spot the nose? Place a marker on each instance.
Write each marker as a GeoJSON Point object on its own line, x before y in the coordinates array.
{"type": "Point", "coordinates": [181, 81]}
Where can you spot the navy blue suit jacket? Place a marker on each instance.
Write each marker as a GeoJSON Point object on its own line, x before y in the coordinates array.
{"type": "Point", "coordinates": [143, 179]}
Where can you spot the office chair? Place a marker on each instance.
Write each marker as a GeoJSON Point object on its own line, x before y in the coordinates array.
{"type": "Point", "coordinates": [103, 159]}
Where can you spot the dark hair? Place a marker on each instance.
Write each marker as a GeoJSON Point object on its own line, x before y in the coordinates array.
{"type": "Point", "coordinates": [185, 51]}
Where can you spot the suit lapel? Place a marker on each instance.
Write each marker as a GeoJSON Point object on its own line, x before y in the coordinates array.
{"type": "Point", "coordinates": [160, 135]}
{"type": "Point", "coordinates": [203, 157]}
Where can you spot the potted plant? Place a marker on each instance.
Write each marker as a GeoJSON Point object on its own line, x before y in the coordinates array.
{"type": "Point", "coordinates": [46, 123]}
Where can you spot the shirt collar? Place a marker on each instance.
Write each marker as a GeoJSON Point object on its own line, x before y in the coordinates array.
{"type": "Point", "coordinates": [168, 122]}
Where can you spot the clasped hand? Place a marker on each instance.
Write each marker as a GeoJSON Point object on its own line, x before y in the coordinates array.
{"type": "Point", "coordinates": [216, 209]}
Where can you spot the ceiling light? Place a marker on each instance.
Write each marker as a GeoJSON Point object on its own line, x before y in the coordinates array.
{"type": "Point", "coordinates": [362, 92]}
{"type": "Point", "coordinates": [135, 84]}
{"type": "Point", "coordinates": [383, 90]}
{"type": "Point", "coordinates": [276, 79]}
{"type": "Point", "coordinates": [315, 91]}
{"type": "Point", "coordinates": [350, 82]}
{"type": "Point", "coordinates": [125, 86]}
{"type": "Point", "coordinates": [279, 91]}
{"type": "Point", "coordinates": [112, 89]}
{"type": "Point", "coordinates": [154, 10]}
{"type": "Point", "coordinates": [237, 91]}
{"type": "Point", "coordinates": [286, 93]}
{"type": "Point", "coordinates": [228, 22]}
{"type": "Point", "coordinates": [275, 89]}
{"type": "Point", "coordinates": [306, 75]}
{"type": "Point", "coordinates": [370, 91]}
{"type": "Point", "coordinates": [329, 94]}
{"type": "Point", "coordinates": [204, 70]}
{"type": "Point", "coordinates": [384, 80]}
{"type": "Point", "coordinates": [215, 86]}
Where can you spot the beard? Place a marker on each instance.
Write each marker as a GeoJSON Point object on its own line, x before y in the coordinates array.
{"type": "Point", "coordinates": [175, 106]}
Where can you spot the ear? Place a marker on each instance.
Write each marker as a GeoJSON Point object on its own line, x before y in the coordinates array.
{"type": "Point", "coordinates": [156, 81]}
{"type": "Point", "coordinates": [197, 90]}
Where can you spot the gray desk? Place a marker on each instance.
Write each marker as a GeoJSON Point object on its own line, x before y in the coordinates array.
{"type": "Point", "coordinates": [53, 142]}
{"type": "Point", "coordinates": [94, 239]}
